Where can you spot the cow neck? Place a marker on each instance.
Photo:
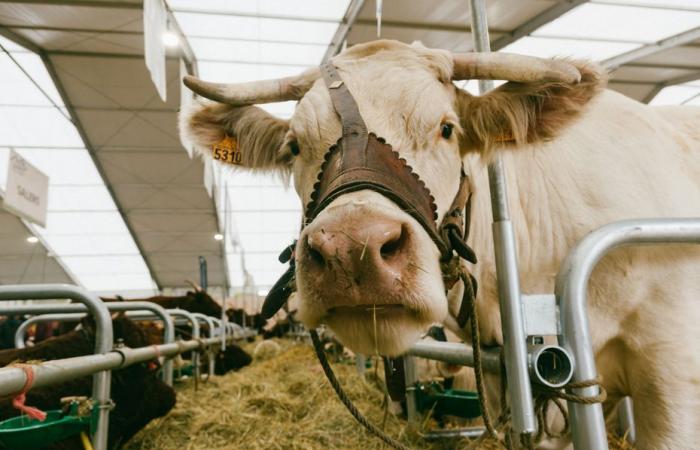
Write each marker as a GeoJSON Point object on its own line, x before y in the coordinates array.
{"type": "Point", "coordinates": [360, 160]}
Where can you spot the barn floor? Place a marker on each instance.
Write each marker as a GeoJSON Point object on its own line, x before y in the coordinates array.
{"type": "Point", "coordinates": [283, 402]}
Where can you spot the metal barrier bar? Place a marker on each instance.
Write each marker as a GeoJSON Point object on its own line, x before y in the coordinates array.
{"type": "Point", "coordinates": [12, 379]}
{"type": "Point", "coordinates": [194, 323]}
{"type": "Point", "coordinates": [211, 363]}
{"type": "Point", "coordinates": [513, 327]}
{"type": "Point", "coordinates": [103, 342]}
{"type": "Point", "coordinates": [168, 327]}
{"type": "Point", "coordinates": [454, 353]}
{"type": "Point", "coordinates": [588, 425]}
{"type": "Point", "coordinates": [21, 332]}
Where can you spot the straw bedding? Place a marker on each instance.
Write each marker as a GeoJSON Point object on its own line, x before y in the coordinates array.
{"type": "Point", "coordinates": [280, 402]}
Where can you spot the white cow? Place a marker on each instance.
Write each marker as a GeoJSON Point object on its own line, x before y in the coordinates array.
{"type": "Point", "coordinates": [576, 157]}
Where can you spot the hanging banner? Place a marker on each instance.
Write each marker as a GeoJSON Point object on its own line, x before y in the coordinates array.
{"type": "Point", "coordinates": [155, 24]}
{"type": "Point", "coordinates": [186, 99]}
{"type": "Point", "coordinates": [27, 190]}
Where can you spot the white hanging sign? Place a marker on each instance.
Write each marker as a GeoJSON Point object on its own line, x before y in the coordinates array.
{"type": "Point", "coordinates": [27, 190]}
{"type": "Point", "coordinates": [186, 99]}
{"type": "Point", "coordinates": [155, 24]}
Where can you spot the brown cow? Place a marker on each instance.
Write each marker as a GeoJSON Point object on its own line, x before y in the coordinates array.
{"type": "Point", "coordinates": [139, 395]}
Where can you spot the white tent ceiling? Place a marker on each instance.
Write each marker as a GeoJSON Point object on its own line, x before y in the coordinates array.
{"type": "Point", "coordinates": [129, 210]}
{"type": "Point", "coordinates": [152, 215]}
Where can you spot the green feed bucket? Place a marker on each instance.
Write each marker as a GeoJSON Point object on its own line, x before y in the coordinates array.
{"type": "Point", "coordinates": [453, 402]}
{"type": "Point", "coordinates": [23, 433]}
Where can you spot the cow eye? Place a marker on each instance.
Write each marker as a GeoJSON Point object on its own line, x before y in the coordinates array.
{"type": "Point", "coordinates": [294, 147]}
{"type": "Point", "coordinates": [446, 130]}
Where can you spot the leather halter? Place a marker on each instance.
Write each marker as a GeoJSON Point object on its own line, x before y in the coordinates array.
{"type": "Point", "coordinates": [361, 160]}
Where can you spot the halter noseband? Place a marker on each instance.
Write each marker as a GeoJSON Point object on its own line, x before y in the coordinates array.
{"type": "Point", "coordinates": [361, 160]}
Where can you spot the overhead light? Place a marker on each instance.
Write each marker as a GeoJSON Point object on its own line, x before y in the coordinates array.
{"type": "Point", "coordinates": [32, 239]}
{"type": "Point", "coordinates": [219, 237]}
{"type": "Point", "coordinates": [262, 293]}
{"type": "Point", "coordinates": [170, 39]}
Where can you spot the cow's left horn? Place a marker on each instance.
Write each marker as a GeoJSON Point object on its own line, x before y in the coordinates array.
{"type": "Point", "coordinates": [507, 66]}
{"type": "Point", "coordinates": [255, 92]}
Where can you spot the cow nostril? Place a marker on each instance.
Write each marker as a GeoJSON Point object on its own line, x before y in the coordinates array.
{"type": "Point", "coordinates": [394, 245]}
{"type": "Point", "coordinates": [315, 255]}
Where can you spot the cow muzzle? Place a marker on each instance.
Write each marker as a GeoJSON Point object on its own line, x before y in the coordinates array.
{"type": "Point", "coordinates": [354, 250]}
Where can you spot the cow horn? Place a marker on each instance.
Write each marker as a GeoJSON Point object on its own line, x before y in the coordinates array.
{"type": "Point", "coordinates": [255, 92]}
{"type": "Point", "coordinates": [507, 66]}
{"type": "Point", "coordinates": [195, 286]}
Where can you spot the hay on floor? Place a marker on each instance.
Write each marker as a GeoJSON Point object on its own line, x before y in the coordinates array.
{"type": "Point", "coordinates": [283, 402]}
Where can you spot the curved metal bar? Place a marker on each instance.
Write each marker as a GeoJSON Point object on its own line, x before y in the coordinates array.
{"type": "Point", "coordinates": [206, 319]}
{"type": "Point", "coordinates": [103, 340]}
{"type": "Point", "coordinates": [159, 311]}
{"type": "Point", "coordinates": [456, 353]}
{"type": "Point", "coordinates": [212, 333]}
{"type": "Point", "coordinates": [21, 332]}
{"type": "Point", "coordinates": [194, 323]}
{"type": "Point", "coordinates": [220, 330]}
{"type": "Point", "coordinates": [588, 425]}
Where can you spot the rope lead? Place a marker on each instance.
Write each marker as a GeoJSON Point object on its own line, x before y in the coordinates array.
{"type": "Point", "coordinates": [391, 442]}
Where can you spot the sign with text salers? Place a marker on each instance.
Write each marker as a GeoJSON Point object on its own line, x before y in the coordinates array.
{"type": "Point", "coordinates": [27, 190]}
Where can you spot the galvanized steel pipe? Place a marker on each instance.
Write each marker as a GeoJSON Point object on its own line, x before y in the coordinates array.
{"type": "Point", "coordinates": [168, 327]}
{"type": "Point", "coordinates": [103, 342]}
{"type": "Point", "coordinates": [512, 323]}
{"type": "Point", "coordinates": [454, 353]}
{"type": "Point", "coordinates": [588, 425]}
{"type": "Point", "coordinates": [12, 379]}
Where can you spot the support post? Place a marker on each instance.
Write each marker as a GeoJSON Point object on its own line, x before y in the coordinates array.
{"type": "Point", "coordinates": [513, 327]}
{"type": "Point", "coordinates": [103, 341]}
{"type": "Point", "coordinates": [411, 377]}
{"type": "Point", "coordinates": [210, 324]}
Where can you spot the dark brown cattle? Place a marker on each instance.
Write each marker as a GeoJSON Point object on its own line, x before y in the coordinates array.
{"type": "Point", "coordinates": [194, 301]}
{"type": "Point", "coordinates": [201, 302]}
{"type": "Point", "coordinates": [139, 395]}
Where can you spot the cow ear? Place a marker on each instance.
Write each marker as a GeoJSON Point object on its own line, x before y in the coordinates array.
{"type": "Point", "coordinates": [243, 136]}
{"type": "Point", "coordinates": [515, 114]}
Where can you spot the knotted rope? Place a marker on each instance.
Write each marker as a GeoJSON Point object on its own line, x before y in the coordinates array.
{"type": "Point", "coordinates": [544, 395]}
{"type": "Point", "coordinates": [19, 400]}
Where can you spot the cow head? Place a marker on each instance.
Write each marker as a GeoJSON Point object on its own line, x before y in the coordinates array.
{"type": "Point", "coordinates": [363, 265]}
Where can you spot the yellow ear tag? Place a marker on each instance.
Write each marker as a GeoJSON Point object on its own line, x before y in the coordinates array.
{"type": "Point", "coordinates": [227, 150]}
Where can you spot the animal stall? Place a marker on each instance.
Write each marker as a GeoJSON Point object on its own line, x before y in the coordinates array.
{"type": "Point", "coordinates": [21, 433]}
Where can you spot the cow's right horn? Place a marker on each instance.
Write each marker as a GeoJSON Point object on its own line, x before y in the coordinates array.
{"type": "Point", "coordinates": [511, 67]}
{"type": "Point", "coordinates": [255, 92]}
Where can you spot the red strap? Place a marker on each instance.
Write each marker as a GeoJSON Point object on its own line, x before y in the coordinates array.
{"type": "Point", "coordinates": [18, 401]}
{"type": "Point", "coordinates": [153, 365]}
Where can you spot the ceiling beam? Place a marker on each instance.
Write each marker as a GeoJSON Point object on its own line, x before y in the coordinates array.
{"type": "Point", "coordinates": [653, 93]}
{"type": "Point", "coordinates": [84, 3]}
{"type": "Point", "coordinates": [650, 49]}
{"type": "Point", "coordinates": [643, 4]}
{"type": "Point", "coordinates": [672, 82]}
{"type": "Point", "coordinates": [254, 15]}
{"type": "Point", "coordinates": [432, 26]}
{"type": "Point", "coordinates": [664, 66]}
{"type": "Point", "coordinates": [531, 25]}
{"type": "Point", "coordinates": [343, 28]}
{"type": "Point", "coordinates": [72, 29]}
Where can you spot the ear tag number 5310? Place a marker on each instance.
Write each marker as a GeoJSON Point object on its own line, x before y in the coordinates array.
{"type": "Point", "coordinates": [227, 150]}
